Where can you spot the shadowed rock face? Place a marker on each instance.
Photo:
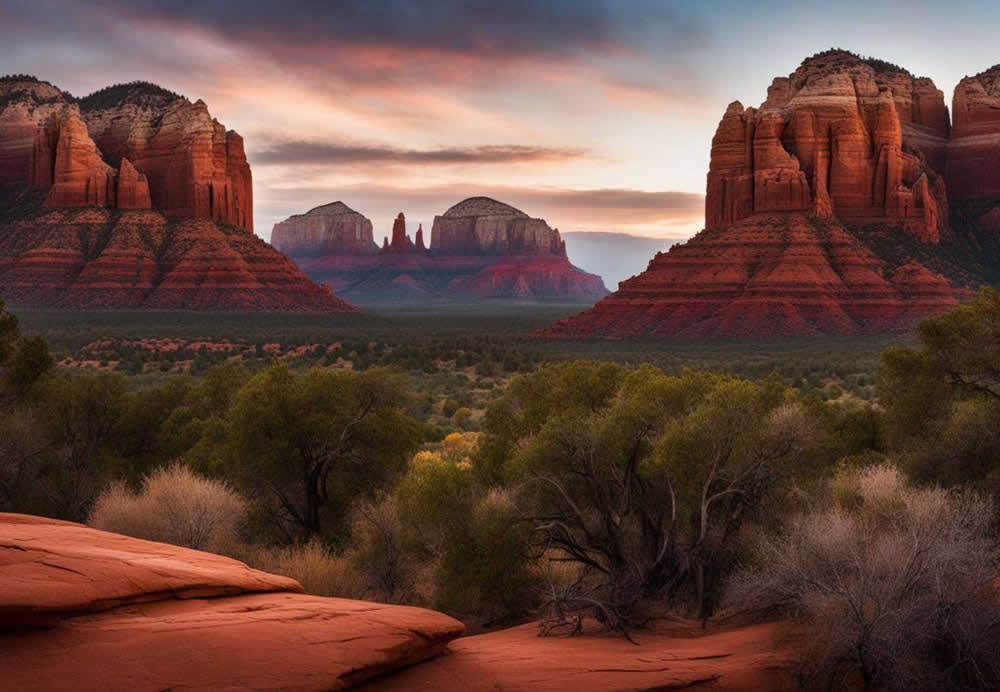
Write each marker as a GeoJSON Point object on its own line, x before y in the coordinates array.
{"type": "Point", "coordinates": [111, 612]}
{"type": "Point", "coordinates": [480, 248]}
{"type": "Point", "coordinates": [841, 137]}
{"type": "Point", "coordinates": [974, 148]}
{"type": "Point", "coordinates": [132, 146]}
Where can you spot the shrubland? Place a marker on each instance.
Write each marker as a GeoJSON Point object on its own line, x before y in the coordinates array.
{"type": "Point", "coordinates": [859, 500]}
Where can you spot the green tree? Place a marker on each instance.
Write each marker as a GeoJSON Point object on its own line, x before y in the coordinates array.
{"type": "Point", "coordinates": [644, 479]}
{"type": "Point", "coordinates": [942, 401]}
{"type": "Point", "coordinates": [311, 445]}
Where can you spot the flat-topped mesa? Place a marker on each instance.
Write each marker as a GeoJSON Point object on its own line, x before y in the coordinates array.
{"type": "Point", "coordinates": [480, 249]}
{"type": "Point", "coordinates": [181, 161]}
{"type": "Point", "coordinates": [974, 148]}
{"type": "Point", "coordinates": [842, 136]}
{"type": "Point", "coordinates": [484, 226]}
{"type": "Point", "coordinates": [325, 230]}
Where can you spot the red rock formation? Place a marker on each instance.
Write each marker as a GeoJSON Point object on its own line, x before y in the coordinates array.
{"type": "Point", "coordinates": [133, 188]}
{"type": "Point", "coordinates": [195, 167]}
{"type": "Point", "coordinates": [484, 226]}
{"type": "Point", "coordinates": [974, 148]}
{"type": "Point", "coordinates": [400, 242]}
{"type": "Point", "coordinates": [112, 612]}
{"type": "Point", "coordinates": [330, 229]}
{"type": "Point", "coordinates": [185, 162]}
{"type": "Point", "coordinates": [94, 257]}
{"type": "Point", "coordinates": [679, 657]}
{"type": "Point", "coordinates": [766, 276]}
{"type": "Point", "coordinates": [480, 248]}
{"type": "Point", "coordinates": [80, 177]}
{"type": "Point", "coordinates": [29, 104]}
{"type": "Point", "coordinates": [839, 136]}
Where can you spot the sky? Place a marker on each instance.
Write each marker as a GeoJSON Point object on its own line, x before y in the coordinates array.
{"type": "Point", "coordinates": [596, 115]}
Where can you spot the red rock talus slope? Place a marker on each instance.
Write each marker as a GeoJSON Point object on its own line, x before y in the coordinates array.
{"type": "Point", "coordinates": [110, 612]}
{"type": "Point", "coordinates": [862, 140]}
{"type": "Point", "coordinates": [974, 148]}
{"type": "Point", "coordinates": [768, 275]}
{"type": "Point", "coordinates": [480, 249]}
{"type": "Point", "coordinates": [760, 657]}
{"type": "Point", "coordinates": [103, 258]}
{"type": "Point", "coordinates": [130, 146]}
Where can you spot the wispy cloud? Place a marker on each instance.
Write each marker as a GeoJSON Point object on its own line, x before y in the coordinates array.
{"type": "Point", "coordinates": [333, 153]}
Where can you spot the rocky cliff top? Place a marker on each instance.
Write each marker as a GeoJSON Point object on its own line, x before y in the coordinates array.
{"type": "Point", "coordinates": [337, 208]}
{"type": "Point", "coordinates": [29, 90]}
{"type": "Point", "coordinates": [483, 206]}
{"type": "Point", "coordinates": [143, 94]}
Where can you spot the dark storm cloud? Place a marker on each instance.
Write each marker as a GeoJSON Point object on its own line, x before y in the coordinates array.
{"type": "Point", "coordinates": [325, 153]}
{"type": "Point", "coordinates": [473, 27]}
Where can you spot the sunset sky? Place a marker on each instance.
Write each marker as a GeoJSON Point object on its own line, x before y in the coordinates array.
{"type": "Point", "coordinates": [593, 115]}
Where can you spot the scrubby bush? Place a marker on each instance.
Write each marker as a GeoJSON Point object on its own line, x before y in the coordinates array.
{"type": "Point", "coordinates": [174, 505]}
{"type": "Point", "coordinates": [320, 571]}
{"type": "Point", "coordinates": [897, 584]}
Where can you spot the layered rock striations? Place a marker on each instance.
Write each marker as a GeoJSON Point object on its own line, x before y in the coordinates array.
{"type": "Point", "coordinates": [767, 276]}
{"type": "Point", "coordinates": [108, 258]}
{"type": "Point", "coordinates": [860, 140]}
{"type": "Point", "coordinates": [827, 213]}
{"type": "Point", "coordinates": [132, 197]}
{"type": "Point", "coordinates": [138, 142]}
{"type": "Point", "coordinates": [327, 230]}
{"type": "Point", "coordinates": [480, 248]}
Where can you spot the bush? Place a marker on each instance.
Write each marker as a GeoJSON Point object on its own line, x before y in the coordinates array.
{"type": "Point", "coordinates": [174, 505]}
{"type": "Point", "coordinates": [896, 582]}
{"type": "Point", "coordinates": [319, 571]}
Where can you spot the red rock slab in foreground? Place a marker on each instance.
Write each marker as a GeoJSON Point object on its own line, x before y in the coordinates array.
{"type": "Point", "coordinates": [757, 657]}
{"type": "Point", "coordinates": [50, 570]}
{"type": "Point", "coordinates": [261, 641]}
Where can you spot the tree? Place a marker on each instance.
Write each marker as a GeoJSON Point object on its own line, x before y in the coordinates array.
{"type": "Point", "coordinates": [643, 479]}
{"type": "Point", "coordinates": [312, 444]}
{"type": "Point", "coordinates": [81, 413]}
{"type": "Point", "coordinates": [942, 401]}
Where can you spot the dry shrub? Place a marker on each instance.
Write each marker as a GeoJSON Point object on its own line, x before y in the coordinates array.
{"type": "Point", "coordinates": [386, 558]}
{"type": "Point", "coordinates": [897, 583]}
{"type": "Point", "coordinates": [174, 505]}
{"type": "Point", "coordinates": [313, 565]}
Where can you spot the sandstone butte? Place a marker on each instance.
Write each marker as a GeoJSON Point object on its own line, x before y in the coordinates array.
{"type": "Point", "coordinates": [827, 212]}
{"type": "Point", "coordinates": [93, 610]}
{"type": "Point", "coordinates": [132, 197]}
{"type": "Point", "coordinates": [480, 248]}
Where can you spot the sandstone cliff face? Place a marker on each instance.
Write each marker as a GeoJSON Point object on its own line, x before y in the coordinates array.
{"type": "Point", "coordinates": [842, 137]}
{"type": "Point", "coordinates": [480, 248]}
{"type": "Point", "coordinates": [767, 276]}
{"type": "Point", "coordinates": [974, 148]}
{"type": "Point", "coordinates": [484, 226]}
{"type": "Point", "coordinates": [155, 149]}
{"type": "Point", "coordinates": [330, 229]}
{"type": "Point", "coordinates": [103, 258]}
